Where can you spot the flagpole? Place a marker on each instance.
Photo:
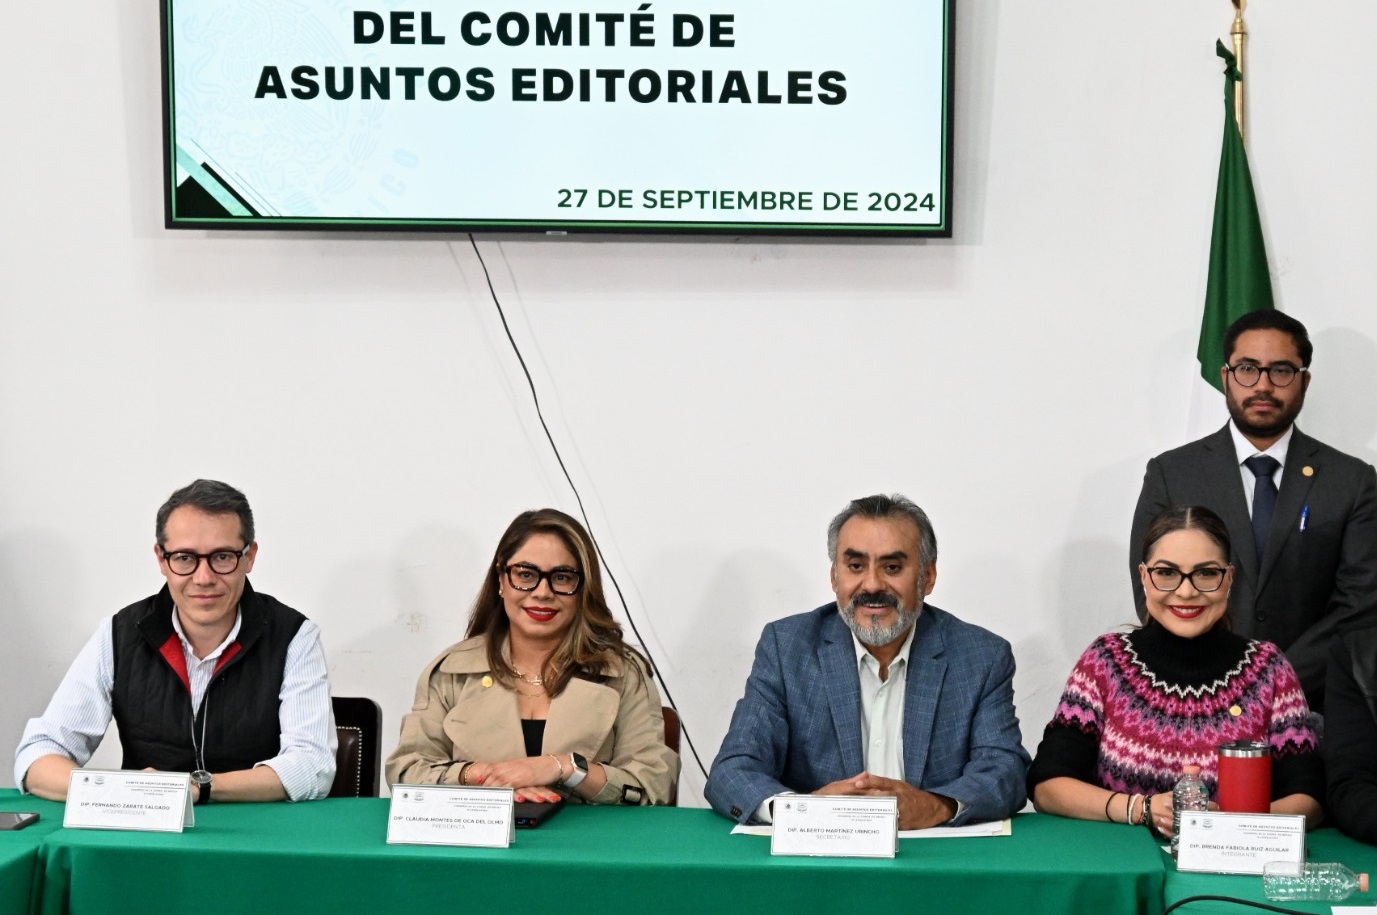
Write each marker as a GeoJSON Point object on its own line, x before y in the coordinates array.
{"type": "Point", "coordinates": [1239, 34]}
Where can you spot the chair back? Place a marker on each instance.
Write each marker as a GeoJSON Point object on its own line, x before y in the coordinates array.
{"type": "Point", "coordinates": [672, 741]}
{"type": "Point", "coordinates": [358, 761]}
{"type": "Point", "coordinates": [671, 728]}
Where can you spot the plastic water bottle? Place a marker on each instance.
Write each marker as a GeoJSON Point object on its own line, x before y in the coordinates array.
{"type": "Point", "coordinates": [1190, 793]}
{"type": "Point", "coordinates": [1283, 881]}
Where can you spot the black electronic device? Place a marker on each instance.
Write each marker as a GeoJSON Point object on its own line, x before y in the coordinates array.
{"type": "Point", "coordinates": [530, 814]}
{"type": "Point", "coordinates": [779, 118]}
{"type": "Point", "coordinates": [10, 820]}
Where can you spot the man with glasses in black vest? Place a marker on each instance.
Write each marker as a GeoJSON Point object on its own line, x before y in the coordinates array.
{"type": "Point", "coordinates": [1302, 516]}
{"type": "Point", "coordinates": [207, 676]}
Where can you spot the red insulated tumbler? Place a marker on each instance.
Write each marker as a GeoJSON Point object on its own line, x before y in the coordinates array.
{"type": "Point", "coordinates": [1245, 777]}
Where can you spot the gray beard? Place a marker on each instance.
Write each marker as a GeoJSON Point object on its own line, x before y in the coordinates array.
{"type": "Point", "coordinates": [883, 635]}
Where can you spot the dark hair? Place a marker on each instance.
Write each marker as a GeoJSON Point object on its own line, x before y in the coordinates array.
{"type": "Point", "coordinates": [1187, 518]}
{"type": "Point", "coordinates": [592, 640]}
{"type": "Point", "coordinates": [213, 498]}
{"type": "Point", "coordinates": [1270, 319]}
{"type": "Point", "coordinates": [881, 506]}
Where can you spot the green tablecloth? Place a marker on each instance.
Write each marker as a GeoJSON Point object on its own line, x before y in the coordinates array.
{"type": "Point", "coordinates": [1321, 845]}
{"type": "Point", "coordinates": [331, 856]}
{"type": "Point", "coordinates": [19, 851]}
{"type": "Point", "coordinates": [18, 863]}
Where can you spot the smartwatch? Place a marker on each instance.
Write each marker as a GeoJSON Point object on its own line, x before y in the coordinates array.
{"type": "Point", "coordinates": [201, 779]}
{"type": "Point", "coordinates": [579, 773]}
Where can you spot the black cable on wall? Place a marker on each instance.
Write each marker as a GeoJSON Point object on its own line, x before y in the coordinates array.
{"type": "Point", "coordinates": [583, 512]}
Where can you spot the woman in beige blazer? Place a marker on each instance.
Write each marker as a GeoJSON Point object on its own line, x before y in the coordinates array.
{"type": "Point", "coordinates": [543, 695]}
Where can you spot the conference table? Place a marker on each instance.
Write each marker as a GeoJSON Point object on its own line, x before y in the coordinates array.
{"type": "Point", "coordinates": [332, 856]}
{"type": "Point", "coordinates": [20, 878]}
{"type": "Point", "coordinates": [1321, 845]}
{"type": "Point", "coordinates": [18, 864]}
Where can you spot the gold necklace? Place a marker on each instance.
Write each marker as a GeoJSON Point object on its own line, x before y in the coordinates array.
{"type": "Point", "coordinates": [537, 680]}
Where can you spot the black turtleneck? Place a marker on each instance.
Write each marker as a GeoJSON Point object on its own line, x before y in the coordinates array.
{"type": "Point", "coordinates": [1188, 662]}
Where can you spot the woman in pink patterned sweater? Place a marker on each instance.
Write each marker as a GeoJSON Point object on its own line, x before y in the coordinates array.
{"type": "Point", "coordinates": [1140, 705]}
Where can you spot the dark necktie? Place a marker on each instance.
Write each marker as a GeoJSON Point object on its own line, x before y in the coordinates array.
{"type": "Point", "coordinates": [1264, 497]}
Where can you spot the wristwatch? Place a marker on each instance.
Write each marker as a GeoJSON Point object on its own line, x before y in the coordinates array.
{"type": "Point", "coordinates": [201, 779]}
{"type": "Point", "coordinates": [579, 773]}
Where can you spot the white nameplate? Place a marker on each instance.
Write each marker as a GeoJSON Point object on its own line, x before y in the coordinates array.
{"type": "Point", "coordinates": [450, 815]}
{"type": "Point", "coordinates": [835, 825]}
{"type": "Point", "coordinates": [128, 799]}
{"type": "Point", "coordinates": [1238, 843]}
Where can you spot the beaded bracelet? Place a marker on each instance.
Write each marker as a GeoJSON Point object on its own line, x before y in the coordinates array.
{"type": "Point", "coordinates": [1147, 811]}
{"type": "Point", "coordinates": [463, 773]}
{"type": "Point", "coordinates": [1108, 801]}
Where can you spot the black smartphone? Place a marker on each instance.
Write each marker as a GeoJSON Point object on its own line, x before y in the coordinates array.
{"type": "Point", "coordinates": [16, 820]}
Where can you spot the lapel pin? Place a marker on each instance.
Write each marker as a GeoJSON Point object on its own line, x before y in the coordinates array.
{"type": "Point", "coordinates": [487, 681]}
{"type": "Point", "coordinates": [1308, 471]}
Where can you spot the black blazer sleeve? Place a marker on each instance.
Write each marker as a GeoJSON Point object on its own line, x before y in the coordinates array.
{"type": "Point", "coordinates": [1350, 740]}
{"type": "Point", "coordinates": [1151, 501]}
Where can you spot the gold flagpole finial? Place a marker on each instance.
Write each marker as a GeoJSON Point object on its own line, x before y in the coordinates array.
{"type": "Point", "coordinates": [1239, 34]}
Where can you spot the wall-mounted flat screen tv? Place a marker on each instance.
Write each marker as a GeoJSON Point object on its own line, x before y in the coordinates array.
{"type": "Point", "coordinates": [763, 116]}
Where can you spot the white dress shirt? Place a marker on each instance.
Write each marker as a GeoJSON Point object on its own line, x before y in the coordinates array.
{"type": "Point", "coordinates": [882, 709]}
{"type": "Point", "coordinates": [80, 711]}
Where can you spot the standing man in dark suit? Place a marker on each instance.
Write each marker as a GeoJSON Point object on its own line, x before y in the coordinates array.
{"type": "Point", "coordinates": [877, 693]}
{"type": "Point", "coordinates": [1302, 516]}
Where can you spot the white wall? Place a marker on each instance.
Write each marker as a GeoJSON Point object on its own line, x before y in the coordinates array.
{"type": "Point", "coordinates": [717, 399]}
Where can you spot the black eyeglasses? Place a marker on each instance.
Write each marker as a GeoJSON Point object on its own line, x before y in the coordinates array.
{"type": "Point", "coordinates": [222, 562]}
{"type": "Point", "coordinates": [525, 577]}
{"type": "Point", "coordinates": [1248, 373]}
{"type": "Point", "coordinates": [1165, 578]}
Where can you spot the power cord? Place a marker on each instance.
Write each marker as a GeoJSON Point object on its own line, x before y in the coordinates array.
{"type": "Point", "coordinates": [1247, 902]}
{"type": "Point", "coordinates": [535, 399]}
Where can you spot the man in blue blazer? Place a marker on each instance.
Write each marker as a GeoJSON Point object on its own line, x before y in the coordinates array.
{"type": "Point", "coordinates": [877, 693]}
{"type": "Point", "coordinates": [1305, 562]}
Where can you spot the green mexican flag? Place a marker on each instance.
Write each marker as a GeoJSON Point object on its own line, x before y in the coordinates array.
{"type": "Point", "coordinates": [1239, 281]}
